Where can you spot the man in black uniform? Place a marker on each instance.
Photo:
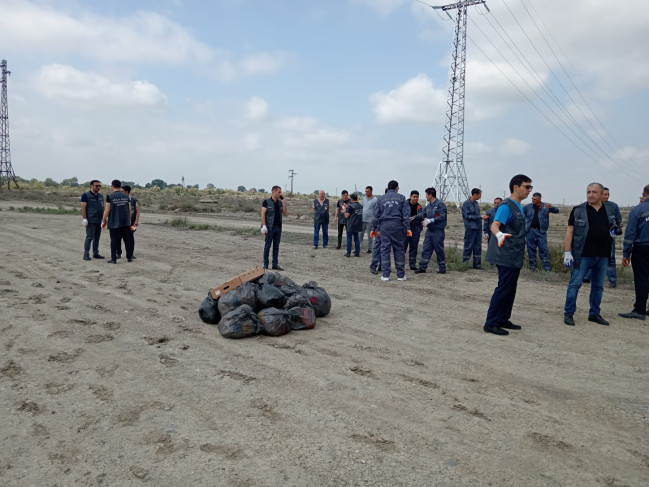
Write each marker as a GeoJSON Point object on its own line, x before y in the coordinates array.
{"type": "Point", "coordinates": [339, 217]}
{"type": "Point", "coordinates": [636, 253]}
{"type": "Point", "coordinates": [135, 219]}
{"type": "Point", "coordinates": [353, 212]}
{"type": "Point", "coordinates": [92, 208]}
{"type": "Point", "coordinates": [117, 216]}
{"type": "Point", "coordinates": [272, 211]}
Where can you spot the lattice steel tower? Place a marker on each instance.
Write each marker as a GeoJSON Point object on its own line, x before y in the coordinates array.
{"type": "Point", "coordinates": [6, 170]}
{"type": "Point", "coordinates": [450, 179]}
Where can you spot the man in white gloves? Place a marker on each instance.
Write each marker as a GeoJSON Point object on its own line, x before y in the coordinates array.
{"type": "Point", "coordinates": [506, 251]}
{"type": "Point", "coordinates": [587, 246]}
{"type": "Point", "coordinates": [434, 224]}
{"type": "Point", "coordinates": [272, 210]}
{"type": "Point", "coordinates": [92, 209]}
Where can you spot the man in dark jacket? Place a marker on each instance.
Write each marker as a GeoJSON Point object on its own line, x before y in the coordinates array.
{"type": "Point", "coordinates": [339, 218]}
{"type": "Point", "coordinates": [117, 217]}
{"type": "Point", "coordinates": [489, 218]}
{"type": "Point", "coordinates": [472, 220]}
{"type": "Point", "coordinates": [537, 221]}
{"type": "Point", "coordinates": [272, 211]}
{"type": "Point", "coordinates": [412, 243]}
{"type": "Point", "coordinates": [92, 209]}
{"type": "Point", "coordinates": [392, 216]}
{"type": "Point", "coordinates": [506, 251]}
{"type": "Point", "coordinates": [321, 219]}
{"type": "Point", "coordinates": [353, 213]}
{"type": "Point", "coordinates": [434, 222]}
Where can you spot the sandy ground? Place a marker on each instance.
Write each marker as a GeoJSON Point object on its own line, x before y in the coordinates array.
{"type": "Point", "coordinates": [108, 376]}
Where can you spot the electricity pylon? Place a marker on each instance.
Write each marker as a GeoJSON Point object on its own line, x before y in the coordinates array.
{"type": "Point", "coordinates": [450, 179]}
{"type": "Point", "coordinates": [6, 170]}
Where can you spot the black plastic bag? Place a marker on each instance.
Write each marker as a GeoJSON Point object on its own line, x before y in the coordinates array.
{"type": "Point", "coordinates": [209, 310]}
{"type": "Point", "coordinates": [241, 322]}
{"type": "Point", "coordinates": [269, 277]}
{"type": "Point", "coordinates": [274, 321]}
{"type": "Point", "coordinates": [269, 297]}
{"type": "Point", "coordinates": [297, 299]}
{"type": "Point", "coordinates": [244, 294]}
{"type": "Point", "coordinates": [301, 317]}
{"type": "Point", "coordinates": [318, 298]}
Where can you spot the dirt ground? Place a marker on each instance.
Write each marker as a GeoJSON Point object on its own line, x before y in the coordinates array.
{"type": "Point", "coordinates": [109, 377]}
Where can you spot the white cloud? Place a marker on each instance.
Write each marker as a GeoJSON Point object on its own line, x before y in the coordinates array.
{"type": "Point", "coordinates": [414, 101]}
{"type": "Point", "coordinates": [514, 147]}
{"type": "Point", "coordinates": [254, 64]}
{"type": "Point", "coordinates": [252, 141]}
{"type": "Point", "coordinates": [89, 90]}
{"type": "Point", "coordinates": [384, 7]}
{"type": "Point", "coordinates": [256, 109]}
{"type": "Point", "coordinates": [307, 132]}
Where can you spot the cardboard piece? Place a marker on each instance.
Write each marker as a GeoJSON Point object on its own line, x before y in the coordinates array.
{"type": "Point", "coordinates": [252, 275]}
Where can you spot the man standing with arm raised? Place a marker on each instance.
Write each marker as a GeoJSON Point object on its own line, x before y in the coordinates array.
{"type": "Point", "coordinates": [272, 210]}
{"type": "Point", "coordinates": [506, 250]}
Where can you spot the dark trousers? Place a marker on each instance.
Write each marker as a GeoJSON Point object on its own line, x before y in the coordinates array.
{"type": "Point", "coordinates": [93, 233]}
{"type": "Point", "coordinates": [357, 242]}
{"type": "Point", "coordinates": [116, 237]}
{"type": "Point", "coordinates": [640, 266]}
{"type": "Point", "coordinates": [502, 301]}
{"type": "Point", "coordinates": [341, 226]}
{"type": "Point", "coordinates": [392, 237]}
{"type": "Point", "coordinates": [376, 252]}
{"type": "Point", "coordinates": [537, 239]}
{"type": "Point", "coordinates": [131, 236]}
{"type": "Point", "coordinates": [412, 245]}
{"type": "Point", "coordinates": [433, 242]}
{"type": "Point", "coordinates": [273, 237]}
{"type": "Point", "coordinates": [325, 234]}
{"type": "Point", "coordinates": [472, 245]}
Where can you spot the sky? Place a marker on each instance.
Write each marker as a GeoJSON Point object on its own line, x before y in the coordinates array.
{"type": "Point", "coordinates": [345, 93]}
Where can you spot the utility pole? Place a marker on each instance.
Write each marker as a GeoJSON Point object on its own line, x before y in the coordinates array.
{"type": "Point", "coordinates": [450, 179]}
{"type": "Point", "coordinates": [291, 175]}
{"type": "Point", "coordinates": [6, 169]}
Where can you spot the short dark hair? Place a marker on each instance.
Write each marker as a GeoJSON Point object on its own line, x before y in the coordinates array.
{"type": "Point", "coordinates": [646, 189]}
{"type": "Point", "coordinates": [126, 188]}
{"type": "Point", "coordinates": [393, 185]}
{"type": "Point", "coordinates": [537, 195]}
{"type": "Point", "coordinates": [274, 188]}
{"type": "Point", "coordinates": [476, 191]}
{"type": "Point", "coordinates": [605, 189]}
{"type": "Point", "coordinates": [369, 187]}
{"type": "Point", "coordinates": [518, 180]}
{"type": "Point", "coordinates": [92, 183]}
{"type": "Point", "coordinates": [498, 198]}
{"type": "Point", "coordinates": [432, 192]}
{"type": "Point", "coordinates": [344, 191]}
{"type": "Point", "coordinates": [414, 191]}
{"type": "Point", "coordinates": [116, 183]}
{"type": "Point", "coordinates": [353, 197]}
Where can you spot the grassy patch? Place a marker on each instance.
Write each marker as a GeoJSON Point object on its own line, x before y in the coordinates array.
{"type": "Point", "coordinates": [47, 211]}
{"type": "Point", "coordinates": [182, 222]}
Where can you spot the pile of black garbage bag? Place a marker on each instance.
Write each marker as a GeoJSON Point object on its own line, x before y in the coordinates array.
{"type": "Point", "coordinates": [274, 305]}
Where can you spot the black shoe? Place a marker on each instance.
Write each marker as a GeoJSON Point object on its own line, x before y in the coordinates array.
{"type": "Point", "coordinates": [632, 314]}
{"type": "Point", "coordinates": [420, 271]}
{"type": "Point", "coordinates": [133, 257]}
{"type": "Point", "coordinates": [315, 247]}
{"type": "Point", "coordinates": [597, 319]}
{"type": "Point", "coordinates": [568, 320]}
{"type": "Point", "coordinates": [373, 271]}
{"type": "Point", "coordinates": [369, 251]}
{"type": "Point", "coordinates": [129, 260]}
{"type": "Point", "coordinates": [496, 330]}
{"type": "Point", "coordinates": [378, 268]}
{"type": "Point", "coordinates": [414, 268]}
{"type": "Point", "coordinates": [111, 261]}
{"type": "Point", "coordinates": [86, 257]}
{"type": "Point", "coordinates": [510, 326]}
{"type": "Point", "coordinates": [477, 267]}
{"type": "Point", "coordinates": [97, 256]}
{"type": "Point", "coordinates": [278, 268]}
{"type": "Point", "coordinates": [346, 255]}
{"type": "Point", "coordinates": [338, 248]}
{"type": "Point", "coordinates": [441, 271]}
{"type": "Point", "coordinates": [357, 255]}
{"type": "Point", "coordinates": [612, 284]}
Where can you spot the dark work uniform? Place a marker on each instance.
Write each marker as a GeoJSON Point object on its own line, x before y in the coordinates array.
{"type": "Point", "coordinates": [537, 221]}
{"type": "Point", "coordinates": [636, 246]}
{"type": "Point", "coordinates": [273, 223]}
{"type": "Point", "coordinates": [434, 237]}
{"type": "Point", "coordinates": [472, 236]}
{"type": "Point", "coordinates": [131, 233]}
{"type": "Point", "coordinates": [119, 222]}
{"type": "Point", "coordinates": [354, 227]}
{"type": "Point", "coordinates": [392, 216]}
{"type": "Point", "coordinates": [342, 221]}
{"type": "Point", "coordinates": [412, 243]}
{"type": "Point", "coordinates": [591, 249]}
{"type": "Point", "coordinates": [321, 219]}
{"type": "Point", "coordinates": [508, 259]}
{"type": "Point", "coordinates": [94, 212]}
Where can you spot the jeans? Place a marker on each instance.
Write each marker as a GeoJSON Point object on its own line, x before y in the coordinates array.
{"type": "Point", "coordinates": [597, 266]}
{"type": "Point", "coordinates": [367, 229]}
{"type": "Point", "coordinates": [93, 233]}
{"type": "Point", "coordinates": [472, 245]}
{"type": "Point", "coordinates": [502, 301]}
{"type": "Point", "coordinates": [611, 272]}
{"type": "Point", "coordinates": [357, 243]}
{"type": "Point", "coordinates": [273, 237]}
{"type": "Point", "coordinates": [325, 234]}
{"type": "Point", "coordinates": [640, 266]}
{"type": "Point", "coordinates": [116, 237]}
{"type": "Point", "coordinates": [535, 238]}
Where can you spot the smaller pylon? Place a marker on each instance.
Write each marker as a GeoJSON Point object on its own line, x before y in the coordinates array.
{"type": "Point", "coordinates": [6, 170]}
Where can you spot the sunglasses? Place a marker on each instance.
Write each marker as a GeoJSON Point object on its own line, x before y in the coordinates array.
{"type": "Point", "coordinates": [527, 186]}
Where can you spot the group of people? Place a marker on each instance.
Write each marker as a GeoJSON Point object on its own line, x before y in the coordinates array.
{"type": "Point", "coordinates": [393, 226]}
{"type": "Point", "coordinates": [119, 212]}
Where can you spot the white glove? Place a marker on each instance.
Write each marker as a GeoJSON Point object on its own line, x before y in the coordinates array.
{"type": "Point", "coordinates": [568, 259]}
{"type": "Point", "coordinates": [501, 238]}
{"type": "Point", "coordinates": [264, 230]}
{"type": "Point", "coordinates": [425, 222]}
{"type": "Point", "coordinates": [84, 222]}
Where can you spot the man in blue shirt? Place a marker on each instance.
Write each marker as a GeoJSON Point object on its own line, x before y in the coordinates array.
{"type": "Point", "coordinates": [506, 250]}
{"type": "Point", "coordinates": [472, 227]}
{"type": "Point", "coordinates": [636, 253]}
